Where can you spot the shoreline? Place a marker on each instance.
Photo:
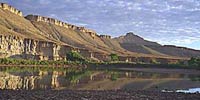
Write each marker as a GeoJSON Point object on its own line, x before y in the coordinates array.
{"type": "Point", "coordinates": [116, 66]}
{"type": "Point", "coordinates": [96, 95]}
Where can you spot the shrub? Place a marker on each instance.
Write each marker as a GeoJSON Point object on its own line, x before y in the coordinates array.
{"type": "Point", "coordinates": [194, 62]}
{"type": "Point", "coordinates": [75, 56]}
{"type": "Point", "coordinates": [114, 57]}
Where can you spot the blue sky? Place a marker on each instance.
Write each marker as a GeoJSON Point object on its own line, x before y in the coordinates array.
{"type": "Point", "coordinates": [175, 22]}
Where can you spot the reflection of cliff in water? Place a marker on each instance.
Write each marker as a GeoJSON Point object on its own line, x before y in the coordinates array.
{"type": "Point", "coordinates": [71, 79]}
{"type": "Point", "coordinates": [41, 80]}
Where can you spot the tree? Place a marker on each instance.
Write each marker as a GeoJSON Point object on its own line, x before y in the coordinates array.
{"type": "Point", "coordinates": [154, 61]}
{"type": "Point", "coordinates": [194, 61]}
{"type": "Point", "coordinates": [114, 57]}
{"type": "Point", "coordinates": [75, 56]}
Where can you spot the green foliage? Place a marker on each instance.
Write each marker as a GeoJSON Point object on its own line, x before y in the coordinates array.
{"type": "Point", "coordinates": [114, 57]}
{"type": "Point", "coordinates": [75, 56]}
{"type": "Point", "coordinates": [21, 69]}
{"type": "Point", "coordinates": [9, 61]}
{"type": "Point", "coordinates": [194, 62]}
{"type": "Point", "coordinates": [154, 61]}
{"type": "Point", "coordinates": [195, 78]}
{"type": "Point", "coordinates": [114, 76]}
{"type": "Point", "coordinates": [75, 75]}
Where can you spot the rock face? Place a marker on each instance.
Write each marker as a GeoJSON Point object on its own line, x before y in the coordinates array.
{"type": "Point", "coordinates": [60, 23]}
{"type": "Point", "coordinates": [16, 47]}
{"type": "Point", "coordinates": [10, 8]}
{"type": "Point", "coordinates": [105, 36]}
{"type": "Point", "coordinates": [11, 45]}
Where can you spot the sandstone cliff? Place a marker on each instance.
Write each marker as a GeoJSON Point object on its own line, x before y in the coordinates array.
{"type": "Point", "coordinates": [10, 8]}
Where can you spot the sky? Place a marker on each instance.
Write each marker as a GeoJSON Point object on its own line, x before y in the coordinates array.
{"type": "Point", "coordinates": [168, 22]}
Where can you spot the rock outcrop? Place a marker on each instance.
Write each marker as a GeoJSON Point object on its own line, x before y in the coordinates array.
{"type": "Point", "coordinates": [17, 47]}
{"type": "Point", "coordinates": [10, 8]}
{"type": "Point", "coordinates": [60, 23]}
{"type": "Point", "coordinates": [11, 45]}
{"type": "Point", "coordinates": [105, 36]}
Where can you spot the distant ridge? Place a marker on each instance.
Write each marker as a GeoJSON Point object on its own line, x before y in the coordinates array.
{"type": "Point", "coordinates": [135, 43]}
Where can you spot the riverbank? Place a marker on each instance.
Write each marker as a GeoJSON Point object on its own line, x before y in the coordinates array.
{"type": "Point", "coordinates": [133, 65]}
{"type": "Point", "coordinates": [104, 65]}
{"type": "Point", "coordinates": [95, 95]}
{"type": "Point", "coordinates": [6, 62]}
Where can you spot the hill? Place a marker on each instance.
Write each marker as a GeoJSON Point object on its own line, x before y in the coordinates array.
{"type": "Point", "coordinates": [135, 43]}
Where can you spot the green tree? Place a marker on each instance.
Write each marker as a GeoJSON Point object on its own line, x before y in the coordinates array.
{"type": "Point", "coordinates": [194, 61]}
{"type": "Point", "coordinates": [154, 61]}
{"type": "Point", "coordinates": [114, 57]}
{"type": "Point", "coordinates": [75, 56]}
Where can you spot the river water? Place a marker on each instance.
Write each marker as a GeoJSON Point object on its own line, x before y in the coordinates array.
{"type": "Point", "coordinates": [15, 78]}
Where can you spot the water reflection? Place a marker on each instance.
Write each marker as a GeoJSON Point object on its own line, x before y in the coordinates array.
{"type": "Point", "coordinates": [41, 78]}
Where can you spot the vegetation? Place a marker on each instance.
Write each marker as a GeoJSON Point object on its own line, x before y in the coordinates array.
{"type": "Point", "coordinates": [75, 75]}
{"type": "Point", "coordinates": [77, 59]}
{"type": "Point", "coordinates": [35, 69]}
{"type": "Point", "coordinates": [114, 74]}
{"type": "Point", "coordinates": [154, 61]}
{"type": "Point", "coordinates": [114, 57]}
{"type": "Point", "coordinates": [194, 62]}
{"type": "Point", "coordinates": [75, 56]}
{"type": "Point", "coordinates": [9, 61]}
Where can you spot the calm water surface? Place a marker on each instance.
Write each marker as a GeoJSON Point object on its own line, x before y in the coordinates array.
{"type": "Point", "coordinates": [84, 79]}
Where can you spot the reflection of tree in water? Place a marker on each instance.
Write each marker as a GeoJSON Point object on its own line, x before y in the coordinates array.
{"type": "Point", "coordinates": [75, 75]}
{"type": "Point", "coordinates": [114, 75]}
{"type": "Point", "coordinates": [194, 78]}
{"type": "Point", "coordinates": [144, 75]}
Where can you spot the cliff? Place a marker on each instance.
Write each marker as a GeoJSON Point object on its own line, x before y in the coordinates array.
{"type": "Point", "coordinates": [5, 6]}
{"type": "Point", "coordinates": [105, 36]}
{"type": "Point", "coordinates": [60, 23]}
{"type": "Point", "coordinates": [79, 37]}
{"type": "Point", "coordinates": [11, 45]}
